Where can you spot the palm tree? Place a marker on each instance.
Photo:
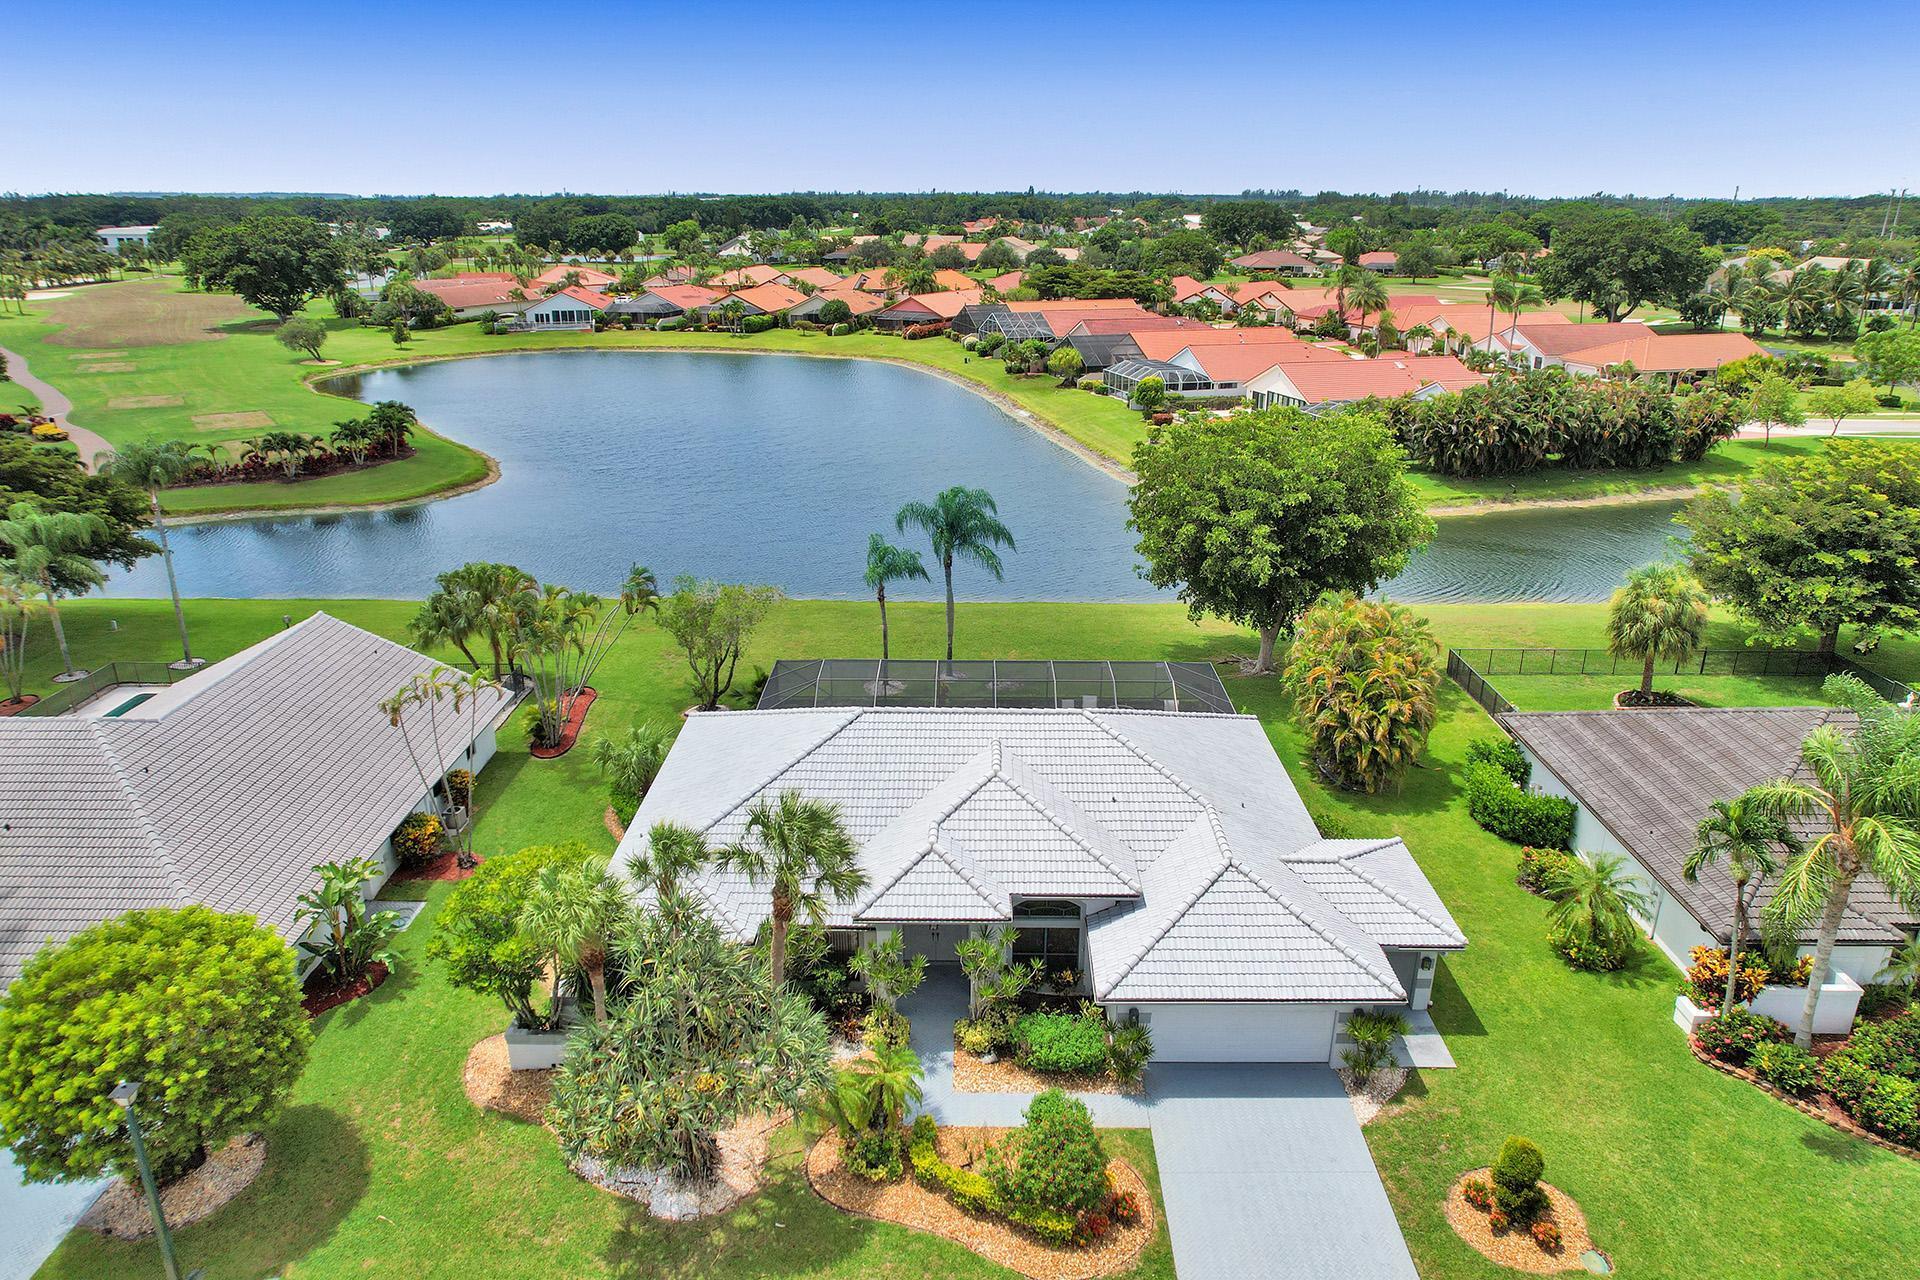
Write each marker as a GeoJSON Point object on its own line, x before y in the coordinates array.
{"type": "Point", "coordinates": [477, 599]}
{"type": "Point", "coordinates": [573, 913]}
{"type": "Point", "coordinates": [888, 563]}
{"type": "Point", "coordinates": [1804, 299]}
{"type": "Point", "coordinates": [1736, 831]}
{"type": "Point", "coordinates": [1512, 294]}
{"type": "Point", "coordinates": [48, 548]}
{"type": "Point", "coordinates": [1660, 612]}
{"type": "Point", "coordinates": [630, 763]}
{"type": "Point", "coordinates": [1865, 793]}
{"type": "Point", "coordinates": [157, 465]}
{"type": "Point", "coordinates": [800, 851]}
{"type": "Point", "coordinates": [1366, 295]}
{"type": "Point", "coordinates": [1902, 968]}
{"type": "Point", "coordinates": [1595, 899]}
{"type": "Point", "coordinates": [959, 522]}
{"type": "Point", "coordinates": [1910, 291]}
{"type": "Point", "coordinates": [671, 851]}
{"type": "Point", "coordinates": [879, 1085]}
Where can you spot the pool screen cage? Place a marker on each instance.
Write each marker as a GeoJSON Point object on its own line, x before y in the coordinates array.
{"type": "Point", "coordinates": [1007, 683]}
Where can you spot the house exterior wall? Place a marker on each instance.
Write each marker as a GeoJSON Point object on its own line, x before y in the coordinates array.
{"type": "Point", "coordinates": [559, 312]}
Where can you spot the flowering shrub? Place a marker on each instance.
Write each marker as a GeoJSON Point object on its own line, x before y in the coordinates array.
{"type": "Point", "coordinates": [1537, 866]}
{"type": "Point", "coordinates": [1478, 1194]}
{"type": "Point", "coordinates": [1733, 1036]}
{"type": "Point", "coordinates": [1875, 1077]}
{"type": "Point", "coordinates": [1499, 1222]}
{"type": "Point", "coordinates": [417, 839]}
{"type": "Point", "coordinates": [931, 329]}
{"type": "Point", "coordinates": [1787, 1067]}
{"type": "Point", "coordinates": [1707, 977]}
{"type": "Point", "coordinates": [1053, 1161]}
{"type": "Point", "coordinates": [1124, 1208]}
{"type": "Point", "coordinates": [1546, 1235]}
{"type": "Point", "coordinates": [1795, 975]}
{"type": "Point", "coordinates": [1092, 1227]}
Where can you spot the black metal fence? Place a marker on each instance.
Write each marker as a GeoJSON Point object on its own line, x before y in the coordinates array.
{"type": "Point", "coordinates": [1474, 669]}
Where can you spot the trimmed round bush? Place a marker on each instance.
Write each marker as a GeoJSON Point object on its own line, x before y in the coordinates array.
{"type": "Point", "coordinates": [1516, 1181]}
{"type": "Point", "coordinates": [1054, 1162]}
{"type": "Point", "coordinates": [199, 1007]}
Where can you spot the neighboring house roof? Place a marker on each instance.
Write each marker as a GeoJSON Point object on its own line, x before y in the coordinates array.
{"type": "Point", "coordinates": [858, 301]}
{"type": "Point", "coordinates": [767, 298]}
{"type": "Point", "coordinates": [1561, 340]}
{"type": "Point", "coordinates": [948, 278]}
{"type": "Point", "coordinates": [1340, 381]}
{"type": "Point", "coordinates": [476, 289]}
{"type": "Point", "coordinates": [578, 293]}
{"type": "Point", "coordinates": [672, 275]}
{"type": "Point", "coordinates": [225, 789]}
{"type": "Point", "coordinates": [1099, 322]}
{"type": "Point", "coordinates": [1649, 777]}
{"type": "Point", "coordinates": [1164, 344]}
{"type": "Point", "coordinates": [1379, 258]}
{"type": "Point", "coordinates": [1186, 289]}
{"type": "Point", "coordinates": [1187, 818]}
{"type": "Point", "coordinates": [1668, 352]}
{"type": "Point", "coordinates": [588, 276]}
{"type": "Point", "coordinates": [972, 250]}
{"type": "Point", "coordinates": [818, 277]}
{"type": "Point", "coordinates": [1007, 281]}
{"type": "Point", "coordinates": [945, 304]}
{"type": "Point", "coordinates": [1273, 260]}
{"type": "Point", "coordinates": [746, 277]}
{"type": "Point", "coordinates": [687, 296]}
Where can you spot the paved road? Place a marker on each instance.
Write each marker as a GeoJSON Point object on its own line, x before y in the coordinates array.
{"type": "Point", "coordinates": [56, 406]}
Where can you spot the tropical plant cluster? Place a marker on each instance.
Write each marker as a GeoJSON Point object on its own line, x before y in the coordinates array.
{"type": "Point", "coordinates": [197, 1006]}
{"type": "Point", "coordinates": [1595, 901]}
{"type": "Point", "coordinates": [1875, 1077]}
{"type": "Point", "coordinates": [1372, 1034]}
{"type": "Point", "coordinates": [1539, 867]}
{"type": "Point", "coordinates": [1522, 421]}
{"type": "Point", "coordinates": [416, 841]}
{"type": "Point", "coordinates": [1502, 807]}
{"type": "Point", "coordinates": [480, 939]}
{"type": "Point", "coordinates": [1365, 679]}
{"type": "Point", "coordinates": [1707, 973]}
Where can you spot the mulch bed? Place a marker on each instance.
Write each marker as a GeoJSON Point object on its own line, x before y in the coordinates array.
{"type": "Point", "coordinates": [911, 1205]}
{"type": "Point", "coordinates": [569, 732]}
{"type": "Point", "coordinates": [12, 708]}
{"type": "Point", "coordinates": [1631, 700]}
{"type": "Point", "coordinates": [322, 995]}
{"type": "Point", "coordinates": [615, 828]}
{"type": "Point", "coordinates": [493, 1085]}
{"type": "Point", "coordinates": [971, 1075]}
{"type": "Point", "coordinates": [1516, 1249]}
{"type": "Point", "coordinates": [1820, 1106]}
{"type": "Point", "coordinates": [442, 866]}
{"type": "Point", "coordinates": [121, 1211]}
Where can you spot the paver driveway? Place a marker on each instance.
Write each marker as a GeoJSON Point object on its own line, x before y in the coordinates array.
{"type": "Point", "coordinates": [1265, 1175]}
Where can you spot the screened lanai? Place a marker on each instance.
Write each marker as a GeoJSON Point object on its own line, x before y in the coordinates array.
{"type": "Point", "coordinates": [1004, 683]}
{"type": "Point", "coordinates": [1179, 380]}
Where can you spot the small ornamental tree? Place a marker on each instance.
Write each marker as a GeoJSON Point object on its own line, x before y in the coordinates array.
{"type": "Point", "coordinates": [712, 622]}
{"type": "Point", "coordinates": [1251, 517]}
{"type": "Point", "coordinates": [478, 936]}
{"type": "Point", "coordinates": [200, 1008]}
{"type": "Point", "coordinates": [1054, 1161]}
{"type": "Point", "coordinates": [1837, 404]}
{"type": "Point", "coordinates": [835, 311]}
{"type": "Point", "coordinates": [1516, 1181]}
{"type": "Point", "coordinates": [301, 334]}
{"type": "Point", "coordinates": [1065, 364]}
{"type": "Point", "coordinates": [1365, 679]}
{"type": "Point", "coordinates": [1150, 393]}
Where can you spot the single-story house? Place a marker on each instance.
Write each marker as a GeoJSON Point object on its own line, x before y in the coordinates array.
{"type": "Point", "coordinates": [1187, 290]}
{"type": "Point", "coordinates": [1381, 260]}
{"type": "Point", "coordinates": [672, 275]}
{"type": "Point", "coordinates": [475, 293]}
{"type": "Point", "coordinates": [590, 278]}
{"type": "Point", "coordinates": [738, 247]}
{"type": "Point", "coordinates": [1642, 780]}
{"type": "Point", "coordinates": [1007, 281]}
{"type": "Point", "coordinates": [226, 788]}
{"type": "Point", "coordinates": [114, 237]}
{"type": "Point", "coordinates": [1163, 857]}
{"type": "Point", "coordinates": [761, 300]}
{"type": "Point", "coordinates": [573, 307]}
{"type": "Point", "coordinates": [1281, 262]}
{"type": "Point", "coordinates": [1206, 362]}
{"type": "Point", "coordinates": [1593, 348]}
{"type": "Point", "coordinates": [925, 308]}
{"type": "Point", "coordinates": [948, 278]}
{"type": "Point", "coordinates": [664, 302]}
{"type": "Point", "coordinates": [858, 301]}
{"type": "Point", "coordinates": [1103, 341]}
{"type": "Point", "coordinates": [1321, 384]}
{"type": "Point", "coordinates": [749, 276]}
{"type": "Point", "coordinates": [818, 277]}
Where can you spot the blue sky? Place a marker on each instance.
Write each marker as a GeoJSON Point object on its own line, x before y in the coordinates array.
{"type": "Point", "coordinates": [647, 96]}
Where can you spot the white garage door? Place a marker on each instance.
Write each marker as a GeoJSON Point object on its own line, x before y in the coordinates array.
{"type": "Point", "coordinates": [1238, 1032]}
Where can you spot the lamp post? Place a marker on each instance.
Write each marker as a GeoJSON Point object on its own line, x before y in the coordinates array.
{"type": "Point", "coordinates": [123, 1095]}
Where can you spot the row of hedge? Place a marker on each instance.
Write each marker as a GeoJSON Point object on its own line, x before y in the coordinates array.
{"type": "Point", "coordinates": [1499, 804]}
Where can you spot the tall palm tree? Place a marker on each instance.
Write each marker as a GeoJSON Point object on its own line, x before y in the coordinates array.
{"type": "Point", "coordinates": [48, 548]}
{"type": "Point", "coordinates": [1595, 899]}
{"type": "Point", "coordinates": [1659, 612]}
{"type": "Point", "coordinates": [157, 465]}
{"type": "Point", "coordinates": [1865, 792]}
{"type": "Point", "coordinates": [1736, 832]}
{"type": "Point", "coordinates": [888, 563]}
{"type": "Point", "coordinates": [1514, 295]}
{"type": "Point", "coordinates": [1346, 278]}
{"type": "Point", "coordinates": [959, 522]}
{"type": "Point", "coordinates": [573, 913]}
{"type": "Point", "coordinates": [799, 850]}
{"type": "Point", "coordinates": [1366, 295]}
{"type": "Point", "coordinates": [478, 599]}
{"type": "Point", "coordinates": [671, 851]}
{"type": "Point", "coordinates": [1804, 299]}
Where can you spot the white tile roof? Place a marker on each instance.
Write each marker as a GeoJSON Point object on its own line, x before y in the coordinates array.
{"type": "Point", "coordinates": [959, 811]}
{"type": "Point", "coordinates": [225, 789]}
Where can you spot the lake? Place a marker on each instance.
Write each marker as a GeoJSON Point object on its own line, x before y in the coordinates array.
{"type": "Point", "coordinates": [775, 469]}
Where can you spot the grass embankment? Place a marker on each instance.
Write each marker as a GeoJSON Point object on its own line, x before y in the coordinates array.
{"type": "Point", "coordinates": [178, 368]}
{"type": "Point", "coordinates": [381, 1167]}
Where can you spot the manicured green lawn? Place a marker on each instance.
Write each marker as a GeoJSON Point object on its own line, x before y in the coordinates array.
{"type": "Point", "coordinates": [381, 1167]}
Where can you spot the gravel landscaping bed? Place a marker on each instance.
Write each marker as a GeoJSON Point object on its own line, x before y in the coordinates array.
{"type": "Point", "coordinates": [911, 1205]}
{"type": "Point", "coordinates": [1371, 1098]}
{"type": "Point", "coordinates": [971, 1075]}
{"type": "Point", "coordinates": [121, 1211]}
{"type": "Point", "coordinates": [743, 1155]}
{"type": "Point", "coordinates": [1516, 1249]}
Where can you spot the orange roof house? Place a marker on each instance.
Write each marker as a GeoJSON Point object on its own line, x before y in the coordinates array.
{"type": "Point", "coordinates": [765, 299]}
{"type": "Point", "coordinates": [925, 308]}
{"type": "Point", "coordinates": [818, 277]}
{"type": "Point", "coordinates": [947, 278]}
{"type": "Point", "coordinates": [859, 303]}
{"type": "Point", "coordinates": [587, 277]}
{"type": "Point", "coordinates": [747, 277]}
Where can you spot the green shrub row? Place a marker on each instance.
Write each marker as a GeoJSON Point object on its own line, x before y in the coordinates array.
{"type": "Point", "coordinates": [1503, 753]}
{"type": "Point", "coordinates": [1522, 817]}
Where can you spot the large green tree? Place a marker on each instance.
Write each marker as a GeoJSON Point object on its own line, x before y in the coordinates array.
{"type": "Point", "coordinates": [1825, 540]}
{"type": "Point", "coordinates": [1618, 259]}
{"type": "Point", "coordinates": [478, 937]}
{"type": "Point", "coordinates": [198, 1007]}
{"type": "Point", "coordinates": [276, 262]}
{"type": "Point", "coordinates": [1890, 357]}
{"type": "Point", "coordinates": [712, 622]}
{"type": "Point", "coordinates": [52, 482]}
{"type": "Point", "coordinates": [1251, 517]}
{"type": "Point", "coordinates": [1248, 223]}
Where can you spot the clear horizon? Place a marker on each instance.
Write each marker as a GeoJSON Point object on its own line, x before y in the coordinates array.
{"type": "Point", "coordinates": [211, 96]}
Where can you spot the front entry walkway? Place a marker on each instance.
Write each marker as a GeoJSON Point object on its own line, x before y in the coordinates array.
{"type": "Point", "coordinates": [1265, 1173]}
{"type": "Point", "coordinates": [1262, 1167]}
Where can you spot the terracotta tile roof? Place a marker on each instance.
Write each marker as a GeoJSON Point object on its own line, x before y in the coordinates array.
{"type": "Point", "coordinates": [1470, 318]}
{"type": "Point", "coordinates": [858, 301]}
{"type": "Point", "coordinates": [945, 304]}
{"type": "Point", "coordinates": [1668, 352]}
{"type": "Point", "coordinates": [1008, 282]}
{"type": "Point", "coordinates": [746, 277]}
{"type": "Point", "coordinates": [1379, 258]}
{"type": "Point", "coordinates": [687, 296]}
{"type": "Point", "coordinates": [1272, 260]}
{"type": "Point", "coordinates": [948, 278]}
{"type": "Point", "coordinates": [768, 297]}
{"type": "Point", "coordinates": [1078, 304]}
{"type": "Point", "coordinates": [1146, 322]}
{"type": "Point", "coordinates": [588, 276]}
{"type": "Point", "coordinates": [1164, 344]}
{"type": "Point", "coordinates": [672, 275]}
{"type": "Point", "coordinates": [973, 251]}
{"type": "Point", "coordinates": [1186, 288]}
{"type": "Point", "coordinates": [462, 292]}
{"type": "Point", "coordinates": [1563, 339]}
{"type": "Point", "coordinates": [818, 277]}
{"type": "Point", "coordinates": [1339, 381]}
{"type": "Point", "coordinates": [598, 301]}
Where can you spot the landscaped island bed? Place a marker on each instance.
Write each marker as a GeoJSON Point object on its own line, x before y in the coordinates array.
{"type": "Point", "coordinates": [163, 387]}
{"type": "Point", "coordinates": [382, 1165]}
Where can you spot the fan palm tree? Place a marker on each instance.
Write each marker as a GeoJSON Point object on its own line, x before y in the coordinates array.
{"type": "Point", "coordinates": [1595, 899]}
{"type": "Point", "coordinates": [959, 522]}
{"type": "Point", "coordinates": [671, 851]}
{"type": "Point", "coordinates": [631, 762]}
{"type": "Point", "coordinates": [1736, 832]}
{"type": "Point", "coordinates": [572, 913]}
{"type": "Point", "coordinates": [1660, 612]}
{"type": "Point", "coordinates": [1366, 295]}
{"type": "Point", "coordinates": [48, 548]}
{"type": "Point", "coordinates": [1514, 295]}
{"type": "Point", "coordinates": [153, 466]}
{"type": "Point", "coordinates": [1865, 792]}
{"type": "Point", "coordinates": [888, 563]}
{"type": "Point", "coordinates": [799, 850]}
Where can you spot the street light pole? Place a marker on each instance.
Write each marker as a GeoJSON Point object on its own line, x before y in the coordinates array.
{"type": "Point", "coordinates": [123, 1094]}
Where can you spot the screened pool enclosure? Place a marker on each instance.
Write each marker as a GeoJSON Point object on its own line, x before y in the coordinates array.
{"type": "Point", "coordinates": [868, 682]}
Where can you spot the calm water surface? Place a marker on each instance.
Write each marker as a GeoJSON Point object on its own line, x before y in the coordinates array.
{"type": "Point", "coordinates": [770, 469]}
